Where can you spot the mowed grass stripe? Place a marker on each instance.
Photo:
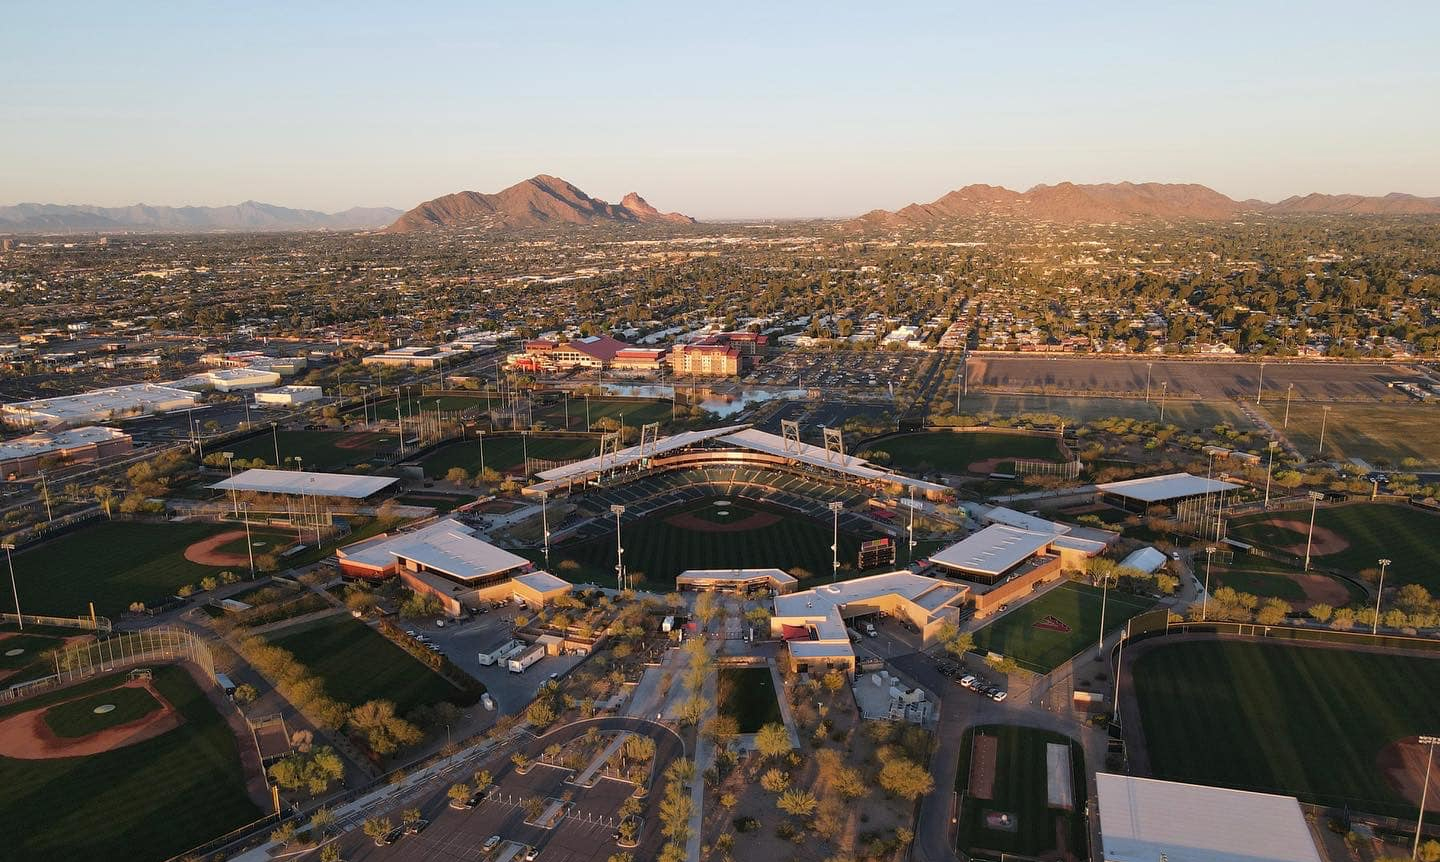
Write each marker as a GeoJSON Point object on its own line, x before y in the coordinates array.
{"type": "Point", "coordinates": [1306, 721]}
{"type": "Point", "coordinates": [358, 664]}
{"type": "Point", "coordinates": [1403, 534]}
{"type": "Point", "coordinates": [1016, 636]}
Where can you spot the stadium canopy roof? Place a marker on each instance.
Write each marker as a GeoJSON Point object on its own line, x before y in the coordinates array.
{"type": "Point", "coordinates": [816, 456]}
{"type": "Point", "coordinates": [994, 550]}
{"type": "Point", "coordinates": [310, 484]}
{"type": "Point", "coordinates": [632, 454]}
{"type": "Point", "coordinates": [1144, 819]}
{"type": "Point", "coordinates": [1172, 486]}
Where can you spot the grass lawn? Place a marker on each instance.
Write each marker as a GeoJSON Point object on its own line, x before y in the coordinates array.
{"type": "Point", "coordinates": [1189, 415]}
{"type": "Point", "coordinates": [317, 450]}
{"type": "Point", "coordinates": [1021, 790]}
{"type": "Point", "coordinates": [147, 801]}
{"type": "Point", "coordinates": [748, 695]}
{"type": "Point", "coordinates": [111, 563]}
{"type": "Point", "coordinates": [1016, 635]}
{"type": "Point", "coordinates": [955, 451]}
{"type": "Point", "coordinates": [1377, 433]}
{"type": "Point", "coordinates": [33, 647]}
{"type": "Point", "coordinates": [507, 454]}
{"type": "Point", "coordinates": [1267, 578]}
{"type": "Point", "coordinates": [1401, 533]}
{"type": "Point", "coordinates": [358, 664]}
{"type": "Point", "coordinates": [661, 550]}
{"type": "Point", "coordinates": [637, 412]}
{"type": "Point", "coordinates": [414, 404]}
{"type": "Point", "coordinates": [78, 717]}
{"type": "Point", "coordinates": [1306, 721]}
{"type": "Point", "coordinates": [439, 502]}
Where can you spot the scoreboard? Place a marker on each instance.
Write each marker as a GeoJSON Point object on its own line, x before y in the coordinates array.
{"type": "Point", "coordinates": [876, 553]}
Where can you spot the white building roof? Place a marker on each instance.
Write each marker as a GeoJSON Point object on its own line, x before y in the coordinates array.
{"type": "Point", "coordinates": [779, 576]}
{"type": "Point", "coordinates": [1011, 518]}
{"type": "Point", "coordinates": [1147, 559]}
{"type": "Point", "coordinates": [542, 582]}
{"type": "Point", "coordinates": [633, 454]}
{"type": "Point", "coordinates": [298, 482]}
{"type": "Point", "coordinates": [822, 607]}
{"type": "Point", "coordinates": [817, 456]}
{"type": "Point", "coordinates": [1144, 820]}
{"type": "Point", "coordinates": [448, 546]}
{"type": "Point", "coordinates": [994, 550]}
{"type": "Point", "coordinates": [1172, 486]}
{"type": "Point", "coordinates": [95, 404]}
{"type": "Point", "coordinates": [55, 441]}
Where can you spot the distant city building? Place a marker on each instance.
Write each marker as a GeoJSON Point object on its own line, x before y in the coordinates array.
{"type": "Point", "coordinates": [592, 351]}
{"type": "Point", "coordinates": [723, 354]}
{"type": "Point", "coordinates": [638, 360]}
{"type": "Point", "coordinates": [288, 396]}
{"type": "Point", "coordinates": [97, 405]}
{"type": "Point", "coordinates": [229, 380]}
{"type": "Point", "coordinates": [417, 357]}
{"type": "Point", "coordinates": [26, 456]}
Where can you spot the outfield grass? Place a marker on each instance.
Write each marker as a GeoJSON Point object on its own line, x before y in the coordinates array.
{"type": "Point", "coordinates": [1372, 432]}
{"type": "Point", "coordinates": [1403, 534]}
{"type": "Point", "coordinates": [34, 647]}
{"type": "Point", "coordinates": [77, 717]}
{"type": "Point", "coordinates": [1304, 721]}
{"type": "Point", "coordinates": [111, 563]}
{"type": "Point", "coordinates": [357, 664]}
{"type": "Point", "coordinates": [1269, 579]}
{"type": "Point", "coordinates": [1186, 414]}
{"type": "Point", "coordinates": [1020, 789]}
{"type": "Point", "coordinates": [955, 451]}
{"type": "Point", "coordinates": [441, 503]}
{"type": "Point", "coordinates": [317, 450]}
{"type": "Point", "coordinates": [148, 801]}
{"type": "Point", "coordinates": [636, 412]}
{"type": "Point", "coordinates": [507, 454]}
{"type": "Point", "coordinates": [660, 550]}
{"type": "Point", "coordinates": [747, 694]}
{"type": "Point", "coordinates": [1015, 635]}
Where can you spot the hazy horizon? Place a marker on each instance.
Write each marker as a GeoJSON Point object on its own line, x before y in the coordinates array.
{"type": "Point", "coordinates": [734, 113]}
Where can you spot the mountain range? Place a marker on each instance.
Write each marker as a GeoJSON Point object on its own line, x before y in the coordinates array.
{"type": "Point", "coordinates": [537, 202]}
{"type": "Point", "coordinates": [1112, 202]}
{"type": "Point", "coordinates": [248, 216]}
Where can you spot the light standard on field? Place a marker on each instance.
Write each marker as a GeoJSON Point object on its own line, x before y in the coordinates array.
{"type": "Point", "coordinates": [1163, 384]}
{"type": "Point", "coordinates": [10, 546]}
{"type": "Point", "coordinates": [545, 525]}
{"type": "Point", "coordinates": [482, 452]}
{"type": "Point", "coordinates": [249, 548]}
{"type": "Point", "coordinates": [835, 508]}
{"type": "Point", "coordinates": [619, 510]}
{"type": "Point", "coordinates": [1424, 790]}
{"type": "Point", "coordinates": [1261, 389]}
{"type": "Point", "coordinates": [1380, 591]}
{"type": "Point", "coordinates": [1104, 599]}
{"type": "Point", "coordinates": [234, 495]}
{"type": "Point", "coordinates": [1147, 381]}
{"type": "Point", "coordinates": [1269, 467]}
{"type": "Point", "coordinates": [911, 529]}
{"type": "Point", "coordinates": [45, 494]}
{"type": "Point", "coordinates": [525, 452]}
{"type": "Point", "coordinates": [1324, 414]}
{"type": "Point", "coordinates": [1288, 390]}
{"type": "Point", "coordinates": [275, 438]}
{"type": "Point", "coordinates": [1315, 498]}
{"type": "Point", "coordinates": [1205, 599]}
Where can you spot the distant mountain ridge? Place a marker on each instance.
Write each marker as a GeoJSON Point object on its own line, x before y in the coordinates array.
{"type": "Point", "coordinates": [1119, 202]}
{"type": "Point", "coordinates": [247, 216]}
{"type": "Point", "coordinates": [540, 201]}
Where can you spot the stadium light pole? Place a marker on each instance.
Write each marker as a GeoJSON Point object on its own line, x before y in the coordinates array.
{"type": "Point", "coordinates": [1261, 390]}
{"type": "Point", "coordinates": [45, 494]}
{"type": "Point", "coordinates": [275, 438]}
{"type": "Point", "coordinates": [1288, 390]}
{"type": "Point", "coordinates": [1315, 498]}
{"type": "Point", "coordinates": [234, 495]}
{"type": "Point", "coordinates": [911, 528]}
{"type": "Point", "coordinates": [1324, 415]}
{"type": "Point", "coordinates": [1380, 591]}
{"type": "Point", "coordinates": [481, 434]}
{"type": "Point", "coordinates": [545, 524]}
{"type": "Point", "coordinates": [9, 561]}
{"type": "Point", "coordinates": [1104, 599]}
{"type": "Point", "coordinates": [1147, 381]}
{"type": "Point", "coordinates": [1205, 599]}
{"type": "Point", "coordinates": [619, 510]}
{"type": "Point", "coordinates": [1163, 385]}
{"type": "Point", "coordinates": [1424, 791]}
{"type": "Point", "coordinates": [249, 548]}
{"type": "Point", "coordinates": [1269, 468]}
{"type": "Point", "coordinates": [525, 451]}
{"type": "Point", "coordinates": [835, 507]}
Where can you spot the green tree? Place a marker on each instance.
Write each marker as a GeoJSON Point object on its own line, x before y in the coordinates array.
{"type": "Point", "coordinates": [459, 792]}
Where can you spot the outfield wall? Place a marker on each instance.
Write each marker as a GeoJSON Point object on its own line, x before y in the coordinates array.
{"type": "Point", "coordinates": [147, 646]}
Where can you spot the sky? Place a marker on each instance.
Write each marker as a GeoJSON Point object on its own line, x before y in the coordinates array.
{"type": "Point", "coordinates": [719, 110]}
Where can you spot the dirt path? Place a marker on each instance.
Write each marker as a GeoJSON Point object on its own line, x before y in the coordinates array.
{"type": "Point", "coordinates": [27, 737]}
{"type": "Point", "coordinates": [206, 551]}
{"type": "Point", "coordinates": [987, 466]}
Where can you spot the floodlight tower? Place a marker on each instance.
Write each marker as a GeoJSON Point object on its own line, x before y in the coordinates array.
{"type": "Point", "coordinates": [545, 525]}
{"type": "Point", "coordinates": [1269, 467]}
{"type": "Point", "coordinates": [10, 546]}
{"type": "Point", "coordinates": [619, 510]}
{"type": "Point", "coordinates": [1315, 498]}
{"type": "Point", "coordinates": [1205, 599]}
{"type": "Point", "coordinates": [835, 508]}
{"type": "Point", "coordinates": [1379, 591]}
{"type": "Point", "coordinates": [1424, 789]}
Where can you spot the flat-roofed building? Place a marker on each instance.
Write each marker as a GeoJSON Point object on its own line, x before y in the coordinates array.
{"type": "Point", "coordinates": [1145, 820]}
{"type": "Point", "coordinates": [1004, 562]}
{"type": "Point", "coordinates": [638, 360]}
{"type": "Point", "coordinates": [707, 360]}
{"type": "Point", "coordinates": [416, 357]}
{"type": "Point", "coordinates": [544, 354]}
{"type": "Point", "coordinates": [98, 405]}
{"type": "Point", "coordinates": [230, 379]}
{"type": "Point", "coordinates": [26, 456]}
{"type": "Point", "coordinates": [288, 396]}
{"type": "Point", "coordinates": [742, 581]}
{"type": "Point", "coordinates": [307, 484]}
{"type": "Point", "coordinates": [1169, 489]}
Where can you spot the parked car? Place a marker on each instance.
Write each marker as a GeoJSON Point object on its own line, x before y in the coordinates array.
{"type": "Point", "coordinates": [531, 854]}
{"type": "Point", "coordinates": [491, 843]}
{"type": "Point", "coordinates": [967, 680]}
{"type": "Point", "coordinates": [999, 696]}
{"type": "Point", "coordinates": [417, 827]}
{"type": "Point", "coordinates": [389, 837]}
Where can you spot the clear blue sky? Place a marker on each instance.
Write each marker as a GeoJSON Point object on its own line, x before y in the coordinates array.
{"type": "Point", "coordinates": [717, 109]}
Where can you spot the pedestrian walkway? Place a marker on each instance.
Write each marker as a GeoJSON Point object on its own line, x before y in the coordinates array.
{"type": "Point", "coordinates": [587, 777]}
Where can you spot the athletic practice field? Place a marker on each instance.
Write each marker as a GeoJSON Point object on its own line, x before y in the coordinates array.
{"type": "Point", "coordinates": [358, 664]}
{"type": "Point", "coordinates": [1268, 579]}
{"type": "Point", "coordinates": [637, 412]}
{"type": "Point", "coordinates": [1353, 537]}
{"type": "Point", "coordinates": [1377, 433]}
{"type": "Point", "coordinates": [325, 451]}
{"type": "Point", "coordinates": [1187, 414]}
{"type": "Point", "coordinates": [146, 800]}
{"type": "Point", "coordinates": [1042, 634]}
{"type": "Point", "coordinates": [1311, 721]}
{"type": "Point", "coordinates": [507, 454]}
{"type": "Point", "coordinates": [114, 563]}
{"type": "Point", "coordinates": [980, 452]}
{"type": "Point", "coordinates": [747, 694]}
{"type": "Point", "coordinates": [712, 533]}
{"type": "Point", "coordinates": [1018, 794]}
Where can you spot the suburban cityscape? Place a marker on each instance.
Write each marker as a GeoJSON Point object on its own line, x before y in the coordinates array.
{"type": "Point", "coordinates": [1092, 520]}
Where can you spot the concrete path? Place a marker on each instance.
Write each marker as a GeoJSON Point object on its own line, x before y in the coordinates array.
{"type": "Point", "coordinates": [704, 751]}
{"type": "Point", "coordinates": [586, 778]}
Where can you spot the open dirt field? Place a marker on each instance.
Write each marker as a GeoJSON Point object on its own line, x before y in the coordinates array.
{"type": "Point", "coordinates": [206, 552]}
{"type": "Point", "coordinates": [1403, 764]}
{"type": "Point", "coordinates": [26, 736]}
{"type": "Point", "coordinates": [982, 766]}
{"type": "Point", "coordinates": [1322, 542]}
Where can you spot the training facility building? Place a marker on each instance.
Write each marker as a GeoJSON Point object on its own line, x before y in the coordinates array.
{"type": "Point", "coordinates": [299, 483]}
{"type": "Point", "coordinates": [745, 582]}
{"type": "Point", "coordinates": [97, 405]}
{"type": "Point", "coordinates": [1171, 489]}
{"type": "Point", "coordinates": [25, 456]}
{"type": "Point", "coordinates": [446, 560]}
{"type": "Point", "coordinates": [288, 396]}
{"type": "Point", "coordinates": [1145, 820]}
{"type": "Point", "coordinates": [813, 622]}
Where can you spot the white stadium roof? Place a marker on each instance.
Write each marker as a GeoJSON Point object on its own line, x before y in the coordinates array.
{"type": "Point", "coordinates": [1172, 486]}
{"type": "Point", "coordinates": [1144, 820]}
{"type": "Point", "coordinates": [313, 484]}
{"type": "Point", "coordinates": [632, 454]}
{"type": "Point", "coordinates": [994, 550]}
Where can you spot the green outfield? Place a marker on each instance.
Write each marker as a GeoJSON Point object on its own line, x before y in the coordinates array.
{"type": "Point", "coordinates": [1014, 765]}
{"type": "Point", "coordinates": [358, 664]}
{"type": "Point", "coordinates": [1042, 634]}
{"type": "Point", "coordinates": [1378, 433]}
{"type": "Point", "coordinates": [752, 535]}
{"type": "Point", "coordinates": [1300, 720]}
{"type": "Point", "coordinates": [1403, 534]}
{"type": "Point", "coordinates": [636, 412]}
{"type": "Point", "coordinates": [148, 801]}
{"type": "Point", "coordinates": [75, 718]}
{"type": "Point", "coordinates": [507, 454]}
{"type": "Point", "coordinates": [111, 563]}
{"type": "Point", "coordinates": [330, 451]}
{"type": "Point", "coordinates": [956, 451]}
{"type": "Point", "coordinates": [1188, 414]}
{"type": "Point", "coordinates": [1269, 579]}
